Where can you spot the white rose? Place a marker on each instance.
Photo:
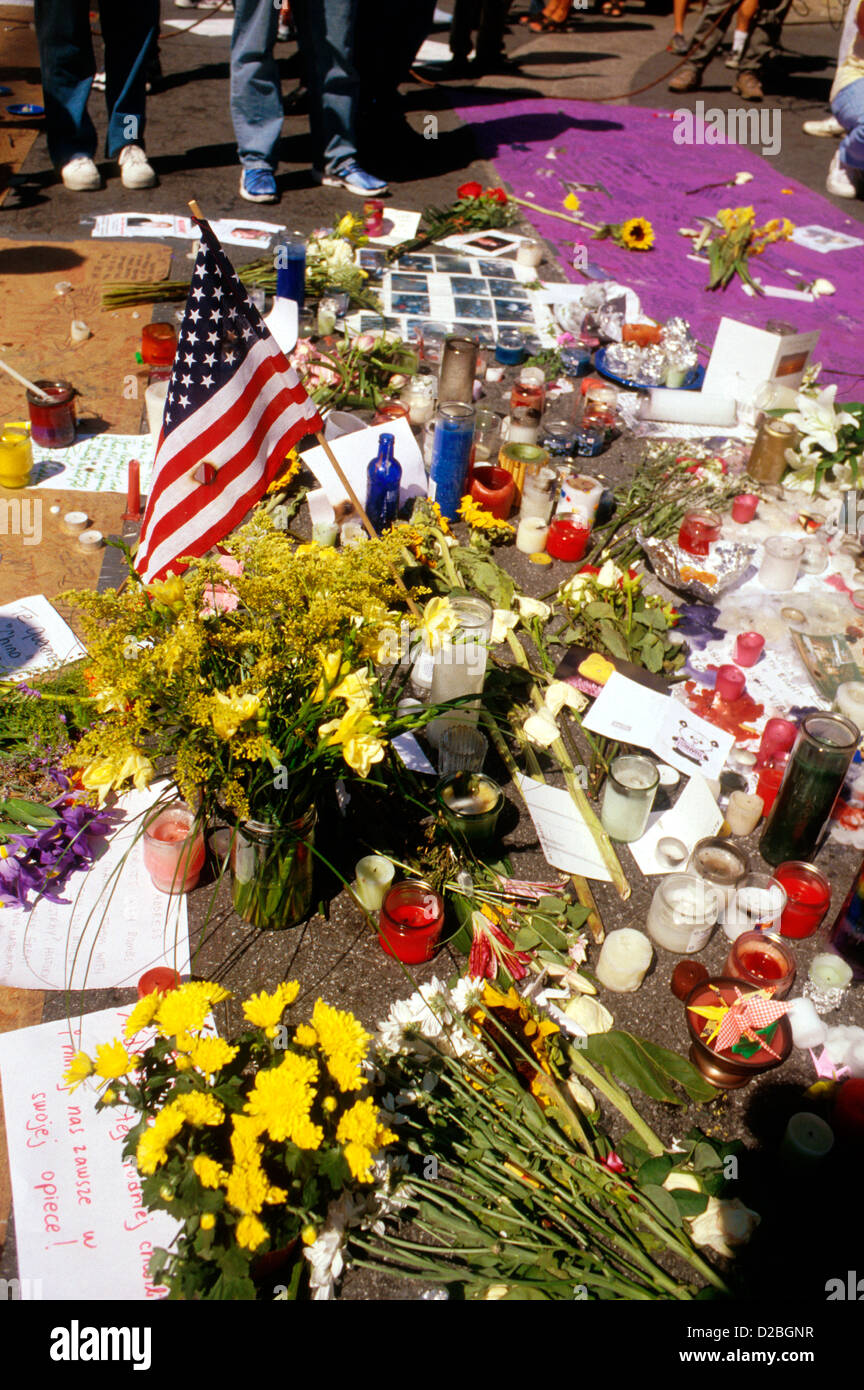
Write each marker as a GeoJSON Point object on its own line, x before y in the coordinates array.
{"type": "Point", "coordinates": [541, 729]}
{"type": "Point", "coordinates": [532, 608]}
{"type": "Point", "coordinates": [724, 1225]}
{"type": "Point", "coordinates": [590, 1014]}
{"type": "Point", "coordinates": [559, 694]}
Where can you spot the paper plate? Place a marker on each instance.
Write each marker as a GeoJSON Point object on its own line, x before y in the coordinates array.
{"type": "Point", "coordinates": [25, 108]}
{"type": "Point", "coordinates": [692, 381]}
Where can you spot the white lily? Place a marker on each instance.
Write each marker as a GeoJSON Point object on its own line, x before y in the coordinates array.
{"type": "Point", "coordinates": [532, 608]}
{"type": "Point", "coordinates": [817, 418]}
{"type": "Point", "coordinates": [541, 729]}
{"type": "Point", "coordinates": [503, 621]}
{"type": "Point", "coordinates": [560, 693]}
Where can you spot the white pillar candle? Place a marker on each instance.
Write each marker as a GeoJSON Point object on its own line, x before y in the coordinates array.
{"type": "Point", "coordinates": [743, 812]}
{"type": "Point", "coordinates": [683, 913]}
{"type": "Point", "coordinates": [373, 876]}
{"type": "Point", "coordinates": [688, 407]}
{"type": "Point", "coordinates": [849, 700]}
{"type": "Point", "coordinates": [808, 1029]}
{"type": "Point", "coordinates": [807, 1139]}
{"type": "Point", "coordinates": [580, 494]}
{"type": "Point", "coordinates": [531, 535]}
{"type": "Point", "coordinates": [780, 563]}
{"type": "Point", "coordinates": [530, 252]}
{"type": "Point", "coordinates": [828, 971]}
{"type": "Point", "coordinates": [624, 959]}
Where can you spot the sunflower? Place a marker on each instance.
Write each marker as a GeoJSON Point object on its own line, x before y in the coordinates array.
{"type": "Point", "coordinates": [637, 234]}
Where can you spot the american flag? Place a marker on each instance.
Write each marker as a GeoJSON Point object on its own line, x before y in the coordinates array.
{"type": "Point", "coordinates": [233, 411]}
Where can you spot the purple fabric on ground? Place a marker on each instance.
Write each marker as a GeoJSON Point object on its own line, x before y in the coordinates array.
{"type": "Point", "coordinates": [630, 150]}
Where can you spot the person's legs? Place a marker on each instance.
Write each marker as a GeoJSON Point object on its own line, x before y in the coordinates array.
{"type": "Point", "coordinates": [490, 32]}
{"type": "Point", "coordinates": [679, 12]}
{"type": "Point", "coordinates": [256, 92]}
{"type": "Point", "coordinates": [129, 34]}
{"type": "Point", "coordinates": [848, 107]}
{"type": "Point", "coordinates": [765, 30]}
{"type": "Point", "coordinates": [325, 31]}
{"type": "Point", "coordinates": [68, 67]}
{"type": "Point", "coordinates": [466, 17]}
{"type": "Point", "coordinates": [703, 45]}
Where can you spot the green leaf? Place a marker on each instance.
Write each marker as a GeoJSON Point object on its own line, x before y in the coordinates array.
{"type": "Point", "coordinates": [647, 1067]}
{"type": "Point", "coordinates": [689, 1203]}
{"type": "Point", "coordinates": [655, 1170]}
{"type": "Point", "coordinates": [613, 640]}
{"type": "Point", "coordinates": [599, 609]}
{"type": "Point", "coordinates": [665, 1201]}
{"type": "Point", "coordinates": [484, 576]}
{"type": "Point", "coordinates": [705, 1157]}
{"type": "Point", "coordinates": [28, 812]}
{"type": "Point", "coordinates": [526, 938]}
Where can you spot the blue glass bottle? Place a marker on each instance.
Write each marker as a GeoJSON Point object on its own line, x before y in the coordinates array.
{"type": "Point", "coordinates": [383, 477]}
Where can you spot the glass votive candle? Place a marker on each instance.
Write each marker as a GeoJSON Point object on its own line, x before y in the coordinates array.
{"type": "Point", "coordinates": [174, 850]}
{"type": "Point", "coordinates": [761, 960]}
{"type": "Point", "coordinates": [52, 421]}
{"type": "Point", "coordinates": [470, 803]}
{"type": "Point", "coordinates": [158, 344]}
{"type": "Point", "coordinates": [580, 493]}
{"type": "Point", "coordinates": [601, 406]}
{"type": "Point", "coordinates": [744, 506]}
{"type": "Point", "coordinates": [770, 782]}
{"type": "Point", "coordinates": [487, 435]}
{"type": "Point", "coordinates": [538, 494]}
{"type": "Point", "coordinates": [686, 976]}
{"type": "Point", "coordinates": [748, 648]}
{"type": "Point", "coordinates": [698, 531]}
{"type": "Point", "coordinates": [628, 796]}
{"type": "Point", "coordinates": [683, 913]}
{"type": "Point", "coordinates": [461, 749]}
{"type": "Point", "coordinates": [808, 896]}
{"type": "Point", "coordinates": [778, 736]}
{"type": "Point", "coordinates": [529, 252]}
{"type": "Point", "coordinates": [720, 864]}
{"type": "Point", "coordinates": [808, 1140]}
{"type": "Point", "coordinates": [757, 906]}
{"type": "Point", "coordinates": [568, 537]}
{"type": "Point", "coordinates": [849, 700]}
{"type": "Point", "coordinates": [327, 316]}
{"type": "Point", "coordinates": [411, 921]}
{"type": "Point", "coordinates": [458, 369]}
{"type": "Point", "coordinates": [510, 347]}
{"type": "Point", "coordinates": [373, 876]}
{"type": "Point", "coordinates": [419, 396]}
{"type": "Point", "coordinates": [325, 533]}
{"type": "Point", "coordinates": [16, 456]}
{"type": "Point", "coordinates": [522, 460]}
{"type": "Point", "coordinates": [730, 683]}
{"type": "Point", "coordinates": [158, 980]}
{"type": "Point", "coordinates": [532, 535]}
{"type": "Point", "coordinates": [828, 979]}
{"type": "Point", "coordinates": [590, 440]}
{"type": "Point", "coordinates": [494, 489]}
{"type": "Point", "coordinates": [624, 960]}
{"type": "Point", "coordinates": [558, 438]}
{"type": "Point", "coordinates": [388, 410]}
{"type": "Point", "coordinates": [781, 562]}
{"type": "Point", "coordinates": [434, 335]}
{"type": "Point", "coordinates": [816, 555]}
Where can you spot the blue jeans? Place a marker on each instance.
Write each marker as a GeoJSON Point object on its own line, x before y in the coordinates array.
{"type": "Point", "coordinates": [848, 107]}
{"type": "Point", "coordinates": [68, 69]}
{"type": "Point", "coordinates": [325, 33]}
{"type": "Point", "coordinates": [256, 92]}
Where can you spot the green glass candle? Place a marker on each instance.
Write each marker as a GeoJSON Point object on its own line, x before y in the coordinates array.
{"type": "Point", "coordinates": [815, 773]}
{"type": "Point", "coordinates": [470, 803]}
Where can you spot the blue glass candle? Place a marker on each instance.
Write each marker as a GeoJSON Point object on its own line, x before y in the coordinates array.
{"type": "Point", "coordinates": [291, 270]}
{"type": "Point", "coordinates": [576, 361]}
{"type": "Point", "coordinates": [510, 347]}
{"type": "Point", "coordinates": [451, 454]}
{"type": "Point", "coordinates": [383, 477]}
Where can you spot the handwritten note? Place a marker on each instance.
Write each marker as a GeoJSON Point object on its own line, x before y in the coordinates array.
{"type": "Point", "coordinates": [564, 837]}
{"type": "Point", "coordinates": [98, 463]}
{"type": "Point", "coordinates": [80, 1226]}
{"type": "Point", "coordinates": [33, 638]}
{"type": "Point", "coordinates": [629, 713]}
{"type": "Point", "coordinates": [115, 925]}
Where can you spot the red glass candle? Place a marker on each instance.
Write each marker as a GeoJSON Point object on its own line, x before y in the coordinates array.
{"type": "Point", "coordinates": [748, 648]}
{"type": "Point", "coordinates": [769, 782]}
{"type": "Point", "coordinates": [494, 489]}
{"type": "Point", "coordinates": [730, 683]}
{"type": "Point", "coordinates": [848, 1116]}
{"type": "Point", "coordinates": [744, 506]}
{"type": "Point", "coordinates": [589, 383]}
{"type": "Point", "coordinates": [686, 976]}
{"type": "Point", "coordinates": [411, 922]}
{"type": "Point", "coordinates": [158, 344]}
{"type": "Point", "coordinates": [373, 216]}
{"type": "Point", "coordinates": [761, 960]}
{"type": "Point", "coordinates": [808, 895]}
{"type": "Point", "coordinates": [174, 850]}
{"type": "Point", "coordinates": [159, 978]}
{"type": "Point", "coordinates": [778, 736]}
{"type": "Point", "coordinates": [133, 492]}
{"type": "Point", "coordinates": [390, 410]}
{"type": "Point", "coordinates": [699, 531]}
{"type": "Point", "coordinates": [52, 422]}
{"type": "Point", "coordinates": [568, 537]}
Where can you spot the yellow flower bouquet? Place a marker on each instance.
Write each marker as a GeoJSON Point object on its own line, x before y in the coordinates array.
{"type": "Point", "coordinates": [246, 1143]}
{"type": "Point", "coordinates": [251, 682]}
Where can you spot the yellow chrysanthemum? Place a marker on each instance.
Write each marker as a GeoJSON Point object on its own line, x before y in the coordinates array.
{"type": "Point", "coordinates": [143, 1014]}
{"type": "Point", "coordinates": [211, 1054]}
{"type": "Point", "coordinates": [344, 1041]}
{"type": "Point", "coordinates": [152, 1150]}
{"type": "Point", "coordinates": [329, 1104]}
{"type": "Point", "coordinates": [266, 1010]}
{"type": "Point", "coordinates": [361, 1132]}
{"type": "Point", "coordinates": [78, 1070]}
{"type": "Point", "coordinates": [282, 1100]}
{"type": "Point", "coordinates": [479, 519]}
{"type": "Point", "coordinates": [251, 1233]}
{"type": "Point", "coordinates": [112, 1060]}
{"type": "Point", "coordinates": [637, 234]}
{"type": "Point", "coordinates": [108, 1097]}
{"type": "Point", "coordinates": [184, 1010]}
{"type": "Point", "coordinates": [305, 1035]}
{"type": "Point", "coordinates": [198, 1108]}
{"type": "Point", "coordinates": [208, 1172]}
{"type": "Point", "coordinates": [169, 592]}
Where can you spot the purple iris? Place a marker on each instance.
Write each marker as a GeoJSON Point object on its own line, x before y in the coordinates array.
{"type": "Point", "coordinates": [45, 859]}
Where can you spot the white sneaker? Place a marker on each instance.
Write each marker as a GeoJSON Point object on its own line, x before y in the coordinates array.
{"type": "Point", "coordinates": [81, 174]}
{"type": "Point", "coordinates": [135, 171]}
{"type": "Point", "coordinates": [841, 180]}
{"type": "Point", "coordinates": [830, 127]}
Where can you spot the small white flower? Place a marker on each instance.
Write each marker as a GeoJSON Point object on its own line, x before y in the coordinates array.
{"type": "Point", "coordinates": [821, 286]}
{"type": "Point", "coordinates": [589, 1014]}
{"type": "Point", "coordinates": [532, 608]}
{"type": "Point", "coordinates": [325, 1257]}
{"type": "Point", "coordinates": [743, 177]}
{"type": "Point", "coordinates": [503, 621]}
{"type": "Point", "coordinates": [560, 693]}
{"type": "Point", "coordinates": [609, 575]}
{"type": "Point", "coordinates": [541, 729]}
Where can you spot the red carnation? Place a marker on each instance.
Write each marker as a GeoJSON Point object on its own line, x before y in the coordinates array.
{"type": "Point", "coordinates": [496, 194]}
{"type": "Point", "coordinates": [470, 190]}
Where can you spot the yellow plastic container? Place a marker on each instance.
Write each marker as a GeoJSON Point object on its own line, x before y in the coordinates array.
{"type": "Point", "coordinates": [16, 456]}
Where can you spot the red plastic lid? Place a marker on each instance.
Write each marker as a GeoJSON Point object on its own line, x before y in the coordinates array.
{"type": "Point", "coordinates": [159, 978]}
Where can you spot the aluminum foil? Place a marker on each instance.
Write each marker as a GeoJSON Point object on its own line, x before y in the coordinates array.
{"type": "Point", "coordinates": [726, 564]}
{"type": "Point", "coordinates": [625, 359]}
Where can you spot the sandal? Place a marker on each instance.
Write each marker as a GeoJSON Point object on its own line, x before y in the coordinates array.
{"type": "Point", "coordinates": [612, 9]}
{"type": "Point", "coordinates": [547, 26]}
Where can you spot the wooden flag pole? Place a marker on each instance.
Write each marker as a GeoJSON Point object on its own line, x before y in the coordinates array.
{"type": "Point", "coordinates": [337, 468]}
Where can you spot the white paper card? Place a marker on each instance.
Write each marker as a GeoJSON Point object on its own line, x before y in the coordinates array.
{"type": "Point", "coordinates": [142, 224]}
{"type": "Point", "coordinates": [412, 754]}
{"type": "Point", "coordinates": [564, 837]}
{"type": "Point", "coordinates": [694, 816]}
{"type": "Point", "coordinates": [34, 638]}
{"type": "Point", "coordinates": [631, 713]}
{"type": "Point", "coordinates": [115, 926]}
{"type": "Point", "coordinates": [81, 1230]}
{"type": "Point", "coordinates": [824, 239]}
{"type": "Point", "coordinates": [744, 357]}
{"type": "Point", "coordinates": [354, 452]}
{"type": "Point", "coordinates": [399, 225]}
